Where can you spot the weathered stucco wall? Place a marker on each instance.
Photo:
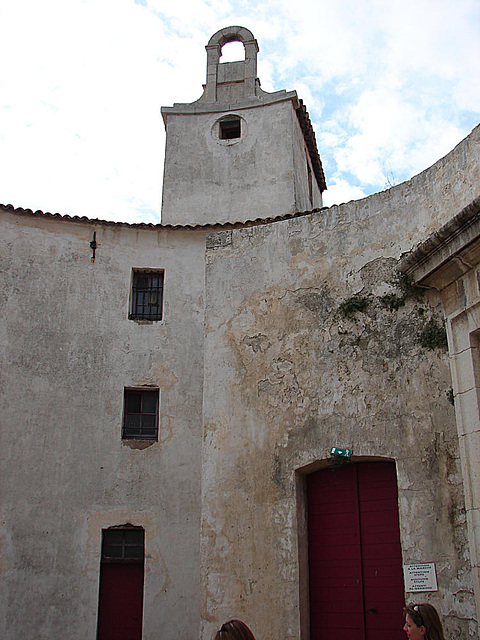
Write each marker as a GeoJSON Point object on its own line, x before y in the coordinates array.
{"type": "Point", "coordinates": [68, 351]}
{"type": "Point", "coordinates": [448, 261]}
{"type": "Point", "coordinates": [301, 157]}
{"type": "Point", "coordinates": [290, 373]}
{"type": "Point", "coordinates": [285, 339]}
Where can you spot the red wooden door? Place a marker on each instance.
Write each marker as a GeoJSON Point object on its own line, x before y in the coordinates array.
{"type": "Point", "coordinates": [120, 602]}
{"type": "Point", "coordinates": [355, 563]}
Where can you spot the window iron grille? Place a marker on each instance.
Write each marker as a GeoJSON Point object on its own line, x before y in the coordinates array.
{"type": "Point", "coordinates": [124, 544]}
{"type": "Point", "coordinates": [147, 295]}
{"type": "Point", "coordinates": [140, 414]}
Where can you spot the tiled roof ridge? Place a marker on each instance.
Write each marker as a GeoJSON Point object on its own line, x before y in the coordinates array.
{"type": "Point", "coordinates": [159, 225]}
{"type": "Point", "coordinates": [311, 142]}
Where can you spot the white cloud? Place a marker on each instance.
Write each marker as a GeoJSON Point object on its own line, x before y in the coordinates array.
{"type": "Point", "coordinates": [390, 87]}
{"type": "Point", "coordinates": [340, 191]}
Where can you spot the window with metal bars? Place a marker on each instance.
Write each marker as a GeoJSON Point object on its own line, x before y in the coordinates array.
{"type": "Point", "coordinates": [123, 544]}
{"type": "Point", "coordinates": [147, 295]}
{"type": "Point", "coordinates": [140, 416]}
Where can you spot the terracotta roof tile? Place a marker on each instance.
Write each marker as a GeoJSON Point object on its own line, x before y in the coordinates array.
{"type": "Point", "coordinates": [150, 225]}
{"type": "Point", "coordinates": [311, 142]}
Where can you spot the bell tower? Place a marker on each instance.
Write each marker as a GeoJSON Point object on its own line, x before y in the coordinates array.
{"type": "Point", "coordinates": [238, 153]}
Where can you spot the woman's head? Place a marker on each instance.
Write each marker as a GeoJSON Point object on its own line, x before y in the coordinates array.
{"type": "Point", "coordinates": [234, 630]}
{"type": "Point", "coordinates": [422, 622]}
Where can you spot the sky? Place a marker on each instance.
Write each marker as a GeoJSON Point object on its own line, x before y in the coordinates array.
{"type": "Point", "coordinates": [391, 87]}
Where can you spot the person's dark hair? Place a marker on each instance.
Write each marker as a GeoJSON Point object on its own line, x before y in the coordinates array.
{"type": "Point", "coordinates": [426, 615]}
{"type": "Point", "coordinates": [234, 630]}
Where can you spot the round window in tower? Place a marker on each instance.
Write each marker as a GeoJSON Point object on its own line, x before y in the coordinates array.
{"type": "Point", "coordinates": [229, 129]}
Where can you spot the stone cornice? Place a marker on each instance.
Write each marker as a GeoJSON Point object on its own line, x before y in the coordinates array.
{"type": "Point", "coordinates": [448, 253]}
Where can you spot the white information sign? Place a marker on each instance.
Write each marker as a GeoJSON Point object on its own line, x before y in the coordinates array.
{"type": "Point", "coordinates": [420, 577]}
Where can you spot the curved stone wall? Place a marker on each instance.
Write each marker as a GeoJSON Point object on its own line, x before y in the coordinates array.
{"type": "Point", "coordinates": [279, 339]}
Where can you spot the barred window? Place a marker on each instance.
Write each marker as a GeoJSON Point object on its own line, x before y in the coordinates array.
{"type": "Point", "coordinates": [147, 295]}
{"type": "Point", "coordinates": [123, 544]}
{"type": "Point", "coordinates": [140, 419]}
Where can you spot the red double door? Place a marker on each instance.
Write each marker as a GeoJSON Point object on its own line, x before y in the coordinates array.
{"type": "Point", "coordinates": [355, 562]}
{"type": "Point", "coordinates": [120, 602]}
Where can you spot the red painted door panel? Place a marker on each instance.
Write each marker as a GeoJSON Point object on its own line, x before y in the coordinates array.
{"type": "Point", "coordinates": [120, 601]}
{"type": "Point", "coordinates": [381, 552]}
{"type": "Point", "coordinates": [336, 601]}
{"type": "Point", "coordinates": [355, 566]}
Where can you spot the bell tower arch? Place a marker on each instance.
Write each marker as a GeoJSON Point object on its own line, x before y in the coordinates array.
{"type": "Point", "coordinates": [246, 70]}
{"type": "Point", "coordinates": [238, 153]}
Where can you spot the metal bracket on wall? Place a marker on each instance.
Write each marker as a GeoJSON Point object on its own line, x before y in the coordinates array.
{"type": "Point", "coordinates": [94, 245]}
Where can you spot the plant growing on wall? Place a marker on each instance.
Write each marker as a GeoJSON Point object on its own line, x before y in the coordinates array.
{"type": "Point", "coordinates": [354, 304]}
{"type": "Point", "coordinates": [406, 289]}
{"type": "Point", "coordinates": [432, 335]}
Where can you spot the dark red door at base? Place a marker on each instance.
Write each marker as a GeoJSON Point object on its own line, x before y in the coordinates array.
{"type": "Point", "coordinates": [355, 563]}
{"type": "Point", "coordinates": [120, 601]}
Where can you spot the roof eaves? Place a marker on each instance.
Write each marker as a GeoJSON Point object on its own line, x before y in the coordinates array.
{"type": "Point", "coordinates": [311, 142]}
{"type": "Point", "coordinates": [150, 225]}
